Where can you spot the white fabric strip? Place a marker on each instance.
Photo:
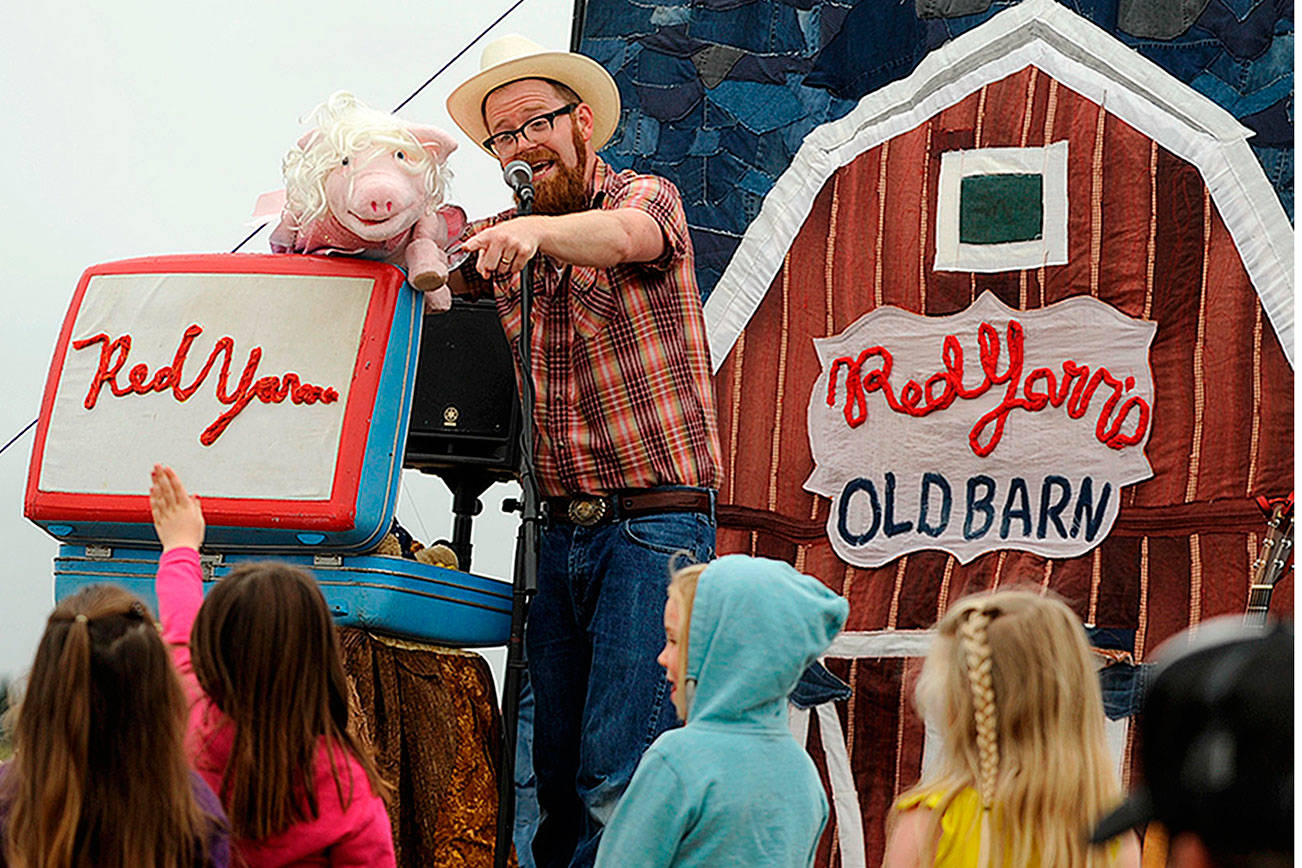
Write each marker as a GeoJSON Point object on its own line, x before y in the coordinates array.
{"type": "Point", "coordinates": [882, 643]}
{"type": "Point", "coordinates": [845, 797]}
{"type": "Point", "coordinates": [1115, 733]}
{"type": "Point", "coordinates": [798, 723]}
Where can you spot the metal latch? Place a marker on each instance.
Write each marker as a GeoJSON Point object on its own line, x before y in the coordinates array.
{"type": "Point", "coordinates": [207, 565]}
{"type": "Point", "coordinates": [327, 561]}
{"type": "Point", "coordinates": [99, 553]}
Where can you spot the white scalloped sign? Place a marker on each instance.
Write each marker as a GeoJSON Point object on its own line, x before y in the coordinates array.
{"type": "Point", "coordinates": [988, 429]}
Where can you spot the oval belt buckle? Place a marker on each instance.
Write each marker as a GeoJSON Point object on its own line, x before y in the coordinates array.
{"type": "Point", "coordinates": [585, 510]}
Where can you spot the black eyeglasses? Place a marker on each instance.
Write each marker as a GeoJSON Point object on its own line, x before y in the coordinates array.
{"type": "Point", "coordinates": [505, 143]}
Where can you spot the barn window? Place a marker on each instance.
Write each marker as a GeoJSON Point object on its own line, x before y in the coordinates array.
{"type": "Point", "coordinates": [997, 209]}
{"type": "Point", "coordinates": [1001, 209]}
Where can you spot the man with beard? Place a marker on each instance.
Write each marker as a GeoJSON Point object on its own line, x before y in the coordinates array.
{"type": "Point", "coordinates": [626, 448]}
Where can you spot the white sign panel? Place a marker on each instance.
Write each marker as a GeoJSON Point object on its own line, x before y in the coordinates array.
{"type": "Point", "coordinates": [237, 380]}
{"type": "Point", "coordinates": [988, 429]}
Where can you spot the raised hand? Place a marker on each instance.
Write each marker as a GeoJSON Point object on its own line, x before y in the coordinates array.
{"type": "Point", "coordinates": [178, 517]}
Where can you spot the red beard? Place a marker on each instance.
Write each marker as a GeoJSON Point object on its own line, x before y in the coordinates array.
{"type": "Point", "coordinates": [565, 190]}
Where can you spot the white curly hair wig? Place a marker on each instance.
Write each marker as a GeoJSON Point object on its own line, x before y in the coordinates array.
{"type": "Point", "coordinates": [342, 126]}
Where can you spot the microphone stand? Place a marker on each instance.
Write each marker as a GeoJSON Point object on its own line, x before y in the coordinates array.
{"type": "Point", "coordinates": [525, 580]}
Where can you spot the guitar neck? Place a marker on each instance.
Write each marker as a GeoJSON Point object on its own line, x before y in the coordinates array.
{"type": "Point", "coordinates": [1270, 565]}
{"type": "Point", "coordinates": [1258, 605]}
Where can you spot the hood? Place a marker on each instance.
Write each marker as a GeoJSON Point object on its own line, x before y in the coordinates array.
{"type": "Point", "coordinates": [756, 624]}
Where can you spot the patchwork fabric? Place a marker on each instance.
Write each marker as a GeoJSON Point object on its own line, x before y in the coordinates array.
{"type": "Point", "coordinates": [1182, 548]}
{"type": "Point", "coordinates": [719, 95]}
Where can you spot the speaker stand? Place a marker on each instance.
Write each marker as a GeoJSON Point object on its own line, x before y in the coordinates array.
{"type": "Point", "coordinates": [466, 485]}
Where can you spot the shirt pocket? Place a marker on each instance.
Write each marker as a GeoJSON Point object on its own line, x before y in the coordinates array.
{"type": "Point", "coordinates": [590, 299]}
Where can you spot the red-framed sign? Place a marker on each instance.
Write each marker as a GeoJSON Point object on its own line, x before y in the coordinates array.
{"type": "Point", "coordinates": [256, 376]}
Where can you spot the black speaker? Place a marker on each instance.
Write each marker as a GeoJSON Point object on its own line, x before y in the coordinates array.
{"type": "Point", "coordinates": [466, 410]}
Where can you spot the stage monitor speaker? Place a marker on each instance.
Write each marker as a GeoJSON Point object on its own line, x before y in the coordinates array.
{"type": "Point", "coordinates": [466, 410]}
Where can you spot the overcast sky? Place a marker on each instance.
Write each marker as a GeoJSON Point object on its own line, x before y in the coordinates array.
{"type": "Point", "coordinates": [147, 127]}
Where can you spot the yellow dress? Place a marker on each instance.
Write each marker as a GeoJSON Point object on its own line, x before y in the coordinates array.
{"type": "Point", "coordinates": [960, 828]}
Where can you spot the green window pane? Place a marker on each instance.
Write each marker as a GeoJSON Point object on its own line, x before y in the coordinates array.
{"type": "Point", "coordinates": [996, 209]}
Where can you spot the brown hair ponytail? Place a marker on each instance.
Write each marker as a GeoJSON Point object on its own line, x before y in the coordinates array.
{"type": "Point", "coordinates": [99, 775]}
{"type": "Point", "coordinates": [56, 785]}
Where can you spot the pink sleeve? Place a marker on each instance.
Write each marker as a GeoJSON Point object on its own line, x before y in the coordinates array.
{"type": "Point", "coordinates": [179, 587]}
{"type": "Point", "coordinates": [369, 839]}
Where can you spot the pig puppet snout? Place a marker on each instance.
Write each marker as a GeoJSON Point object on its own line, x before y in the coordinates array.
{"type": "Point", "coordinates": [379, 196]}
{"type": "Point", "coordinates": [374, 198]}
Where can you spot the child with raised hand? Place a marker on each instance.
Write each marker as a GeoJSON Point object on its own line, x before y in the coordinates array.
{"type": "Point", "coordinates": [1024, 772]}
{"type": "Point", "coordinates": [99, 775]}
{"type": "Point", "coordinates": [732, 787]}
{"type": "Point", "coordinates": [269, 719]}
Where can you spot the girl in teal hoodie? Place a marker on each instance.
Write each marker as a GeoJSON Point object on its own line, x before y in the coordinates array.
{"type": "Point", "coordinates": [731, 787]}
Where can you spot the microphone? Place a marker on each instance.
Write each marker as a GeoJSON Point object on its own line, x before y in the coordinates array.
{"type": "Point", "coordinates": [519, 177]}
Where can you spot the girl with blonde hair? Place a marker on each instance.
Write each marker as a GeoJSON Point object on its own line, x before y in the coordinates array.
{"type": "Point", "coordinates": [1024, 771]}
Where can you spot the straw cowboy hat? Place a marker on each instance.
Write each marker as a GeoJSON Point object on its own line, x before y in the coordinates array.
{"type": "Point", "coordinates": [513, 57]}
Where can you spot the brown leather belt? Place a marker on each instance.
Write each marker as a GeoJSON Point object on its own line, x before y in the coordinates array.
{"type": "Point", "coordinates": [588, 510]}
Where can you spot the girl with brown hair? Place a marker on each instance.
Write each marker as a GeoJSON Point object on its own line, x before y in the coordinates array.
{"type": "Point", "coordinates": [1023, 771]}
{"type": "Point", "coordinates": [99, 775]}
{"type": "Point", "coordinates": [269, 718]}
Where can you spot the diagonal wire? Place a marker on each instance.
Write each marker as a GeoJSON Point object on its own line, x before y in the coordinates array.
{"type": "Point", "coordinates": [420, 522]}
{"type": "Point", "coordinates": [413, 94]}
{"type": "Point", "coordinates": [249, 237]}
{"type": "Point", "coordinates": [14, 439]}
{"type": "Point", "coordinates": [457, 56]}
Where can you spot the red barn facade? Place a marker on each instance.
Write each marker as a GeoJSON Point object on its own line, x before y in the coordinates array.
{"type": "Point", "coordinates": [1168, 220]}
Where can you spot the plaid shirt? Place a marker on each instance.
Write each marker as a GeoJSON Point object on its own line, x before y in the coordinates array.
{"type": "Point", "coordinates": [621, 363]}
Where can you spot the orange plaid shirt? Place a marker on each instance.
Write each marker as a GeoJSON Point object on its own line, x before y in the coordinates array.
{"type": "Point", "coordinates": [621, 363]}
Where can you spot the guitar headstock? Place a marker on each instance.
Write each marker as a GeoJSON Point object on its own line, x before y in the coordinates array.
{"type": "Point", "coordinates": [1273, 559]}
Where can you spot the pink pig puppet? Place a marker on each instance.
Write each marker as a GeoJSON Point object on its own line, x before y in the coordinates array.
{"type": "Point", "coordinates": [365, 183]}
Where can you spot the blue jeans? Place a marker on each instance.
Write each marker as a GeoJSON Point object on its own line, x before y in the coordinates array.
{"type": "Point", "coordinates": [595, 628]}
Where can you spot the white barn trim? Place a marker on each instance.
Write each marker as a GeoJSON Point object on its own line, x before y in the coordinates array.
{"type": "Point", "coordinates": [1085, 58]}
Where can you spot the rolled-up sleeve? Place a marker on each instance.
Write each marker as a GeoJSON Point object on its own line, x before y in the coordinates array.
{"type": "Point", "coordinates": [660, 199]}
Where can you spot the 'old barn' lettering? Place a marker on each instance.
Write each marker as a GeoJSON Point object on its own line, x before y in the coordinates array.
{"type": "Point", "coordinates": [1057, 508]}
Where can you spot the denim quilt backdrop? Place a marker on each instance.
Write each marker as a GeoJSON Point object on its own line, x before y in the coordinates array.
{"type": "Point", "coordinates": [719, 94]}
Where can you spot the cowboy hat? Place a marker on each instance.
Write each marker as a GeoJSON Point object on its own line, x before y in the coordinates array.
{"type": "Point", "coordinates": [514, 57]}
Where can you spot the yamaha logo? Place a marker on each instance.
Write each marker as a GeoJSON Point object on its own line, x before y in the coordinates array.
{"type": "Point", "coordinates": [450, 416]}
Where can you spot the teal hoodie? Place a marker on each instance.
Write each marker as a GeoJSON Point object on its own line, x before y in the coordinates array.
{"type": "Point", "coordinates": [732, 787]}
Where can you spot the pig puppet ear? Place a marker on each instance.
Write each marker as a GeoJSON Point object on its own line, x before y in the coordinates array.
{"type": "Point", "coordinates": [438, 143]}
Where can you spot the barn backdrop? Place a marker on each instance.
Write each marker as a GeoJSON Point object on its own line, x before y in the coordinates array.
{"type": "Point", "coordinates": [996, 293]}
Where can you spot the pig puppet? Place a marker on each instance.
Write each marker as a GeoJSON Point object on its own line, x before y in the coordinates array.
{"type": "Point", "coordinates": [364, 183]}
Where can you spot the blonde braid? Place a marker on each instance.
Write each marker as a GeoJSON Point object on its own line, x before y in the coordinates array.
{"type": "Point", "coordinates": [976, 651]}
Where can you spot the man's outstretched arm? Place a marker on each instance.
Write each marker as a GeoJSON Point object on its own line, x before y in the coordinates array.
{"type": "Point", "coordinates": [598, 238]}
